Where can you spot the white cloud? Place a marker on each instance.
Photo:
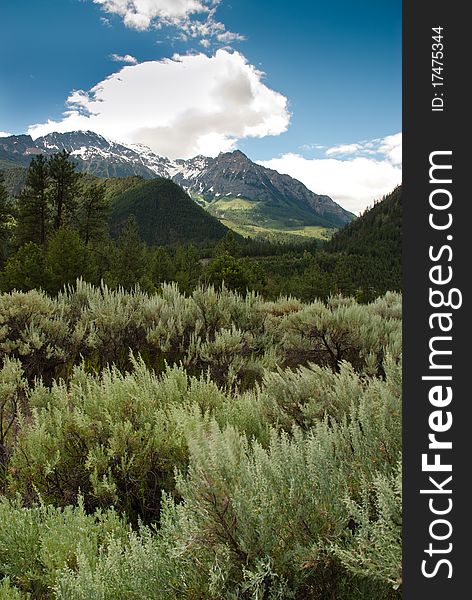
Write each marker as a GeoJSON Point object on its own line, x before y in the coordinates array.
{"type": "Point", "coordinates": [343, 149]}
{"type": "Point", "coordinates": [391, 146]}
{"type": "Point", "coordinates": [125, 58]}
{"type": "Point", "coordinates": [194, 18]}
{"type": "Point", "coordinates": [354, 182]}
{"type": "Point", "coordinates": [5, 134]}
{"type": "Point", "coordinates": [141, 14]}
{"type": "Point", "coordinates": [180, 107]}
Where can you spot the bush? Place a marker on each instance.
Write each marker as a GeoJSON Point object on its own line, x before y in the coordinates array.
{"type": "Point", "coordinates": [116, 439]}
{"type": "Point", "coordinates": [235, 336]}
{"type": "Point", "coordinates": [252, 446]}
{"type": "Point", "coordinates": [37, 543]}
{"type": "Point", "coordinates": [271, 520]}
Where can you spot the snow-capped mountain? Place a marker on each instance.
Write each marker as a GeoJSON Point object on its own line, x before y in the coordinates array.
{"type": "Point", "coordinates": [218, 183]}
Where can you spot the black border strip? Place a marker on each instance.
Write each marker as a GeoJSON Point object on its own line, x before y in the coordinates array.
{"type": "Point", "coordinates": [426, 131]}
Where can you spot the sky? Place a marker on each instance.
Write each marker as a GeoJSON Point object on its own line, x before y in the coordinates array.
{"type": "Point", "coordinates": [308, 87]}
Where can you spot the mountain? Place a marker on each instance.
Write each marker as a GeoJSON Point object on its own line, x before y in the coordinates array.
{"type": "Point", "coordinates": [245, 193]}
{"type": "Point", "coordinates": [93, 153]}
{"type": "Point", "coordinates": [165, 214]}
{"type": "Point", "coordinates": [233, 188]}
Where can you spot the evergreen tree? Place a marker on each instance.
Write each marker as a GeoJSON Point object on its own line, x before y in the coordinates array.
{"type": "Point", "coordinates": [130, 266]}
{"type": "Point", "coordinates": [5, 218]}
{"type": "Point", "coordinates": [228, 245]}
{"type": "Point", "coordinates": [67, 259]}
{"type": "Point", "coordinates": [33, 209]}
{"type": "Point", "coordinates": [24, 270]}
{"type": "Point", "coordinates": [163, 269]}
{"type": "Point", "coordinates": [38, 180]}
{"type": "Point", "coordinates": [93, 213]}
{"type": "Point", "coordinates": [188, 267]}
{"type": "Point", "coordinates": [227, 269]}
{"type": "Point", "coordinates": [64, 188]}
{"type": "Point", "coordinates": [104, 254]}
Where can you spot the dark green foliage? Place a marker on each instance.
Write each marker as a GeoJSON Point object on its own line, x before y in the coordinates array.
{"type": "Point", "coordinates": [93, 215]}
{"type": "Point", "coordinates": [36, 201]}
{"type": "Point", "coordinates": [131, 257]}
{"type": "Point", "coordinates": [228, 245]}
{"type": "Point", "coordinates": [364, 265]}
{"type": "Point", "coordinates": [227, 270]}
{"type": "Point", "coordinates": [372, 247]}
{"type": "Point", "coordinates": [165, 215]}
{"type": "Point", "coordinates": [15, 177]}
{"type": "Point", "coordinates": [64, 188]}
{"type": "Point", "coordinates": [162, 266]}
{"type": "Point", "coordinates": [67, 259]}
{"type": "Point", "coordinates": [5, 219]}
{"type": "Point", "coordinates": [188, 268]}
{"type": "Point", "coordinates": [25, 270]}
{"type": "Point", "coordinates": [363, 259]}
{"type": "Point", "coordinates": [113, 186]}
{"type": "Point", "coordinates": [376, 232]}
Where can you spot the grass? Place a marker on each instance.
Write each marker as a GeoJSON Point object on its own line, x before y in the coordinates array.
{"type": "Point", "coordinates": [280, 234]}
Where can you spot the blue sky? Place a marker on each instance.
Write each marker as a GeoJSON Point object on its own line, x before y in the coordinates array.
{"type": "Point", "coordinates": [330, 88]}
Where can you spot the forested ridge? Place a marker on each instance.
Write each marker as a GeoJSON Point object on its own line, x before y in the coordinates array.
{"type": "Point", "coordinates": [206, 421]}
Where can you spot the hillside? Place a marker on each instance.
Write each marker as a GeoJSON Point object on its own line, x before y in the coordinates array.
{"type": "Point", "coordinates": [377, 232]}
{"type": "Point", "coordinates": [114, 186]}
{"type": "Point", "coordinates": [370, 248]}
{"type": "Point", "coordinates": [14, 176]}
{"type": "Point", "coordinates": [165, 214]}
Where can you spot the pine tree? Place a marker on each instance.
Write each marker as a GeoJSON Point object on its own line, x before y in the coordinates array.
{"type": "Point", "coordinates": [227, 269]}
{"type": "Point", "coordinates": [24, 270]}
{"type": "Point", "coordinates": [65, 188]}
{"type": "Point", "coordinates": [93, 213]}
{"type": "Point", "coordinates": [228, 245]}
{"type": "Point", "coordinates": [131, 261]}
{"type": "Point", "coordinates": [163, 269]}
{"type": "Point", "coordinates": [188, 267]}
{"type": "Point", "coordinates": [67, 259]}
{"type": "Point", "coordinates": [33, 217]}
{"type": "Point", "coordinates": [5, 217]}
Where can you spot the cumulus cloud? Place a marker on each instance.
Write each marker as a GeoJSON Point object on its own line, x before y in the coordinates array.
{"type": "Point", "coordinates": [124, 58]}
{"type": "Point", "coordinates": [179, 107]}
{"type": "Point", "coordinates": [391, 146]}
{"type": "Point", "coordinates": [5, 134]}
{"type": "Point", "coordinates": [354, 181]}
{"type": "Point", "coordinates": [141, 14]}
{"type": "Point", "coordinates": [193, 18]}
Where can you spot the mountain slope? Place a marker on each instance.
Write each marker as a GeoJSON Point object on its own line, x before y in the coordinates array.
{"type": "Point", "coordinates": [377, 232]}
{"type": "Point", "coordinates": [230, 186]}
{"type": "Point", "coordinates": [165, 214]}
{"type": "Point", "coordinates": [367, 253]}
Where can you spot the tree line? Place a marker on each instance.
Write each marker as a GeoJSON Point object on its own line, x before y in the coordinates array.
{"type": "Point", "coordinates": [57, 230]}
